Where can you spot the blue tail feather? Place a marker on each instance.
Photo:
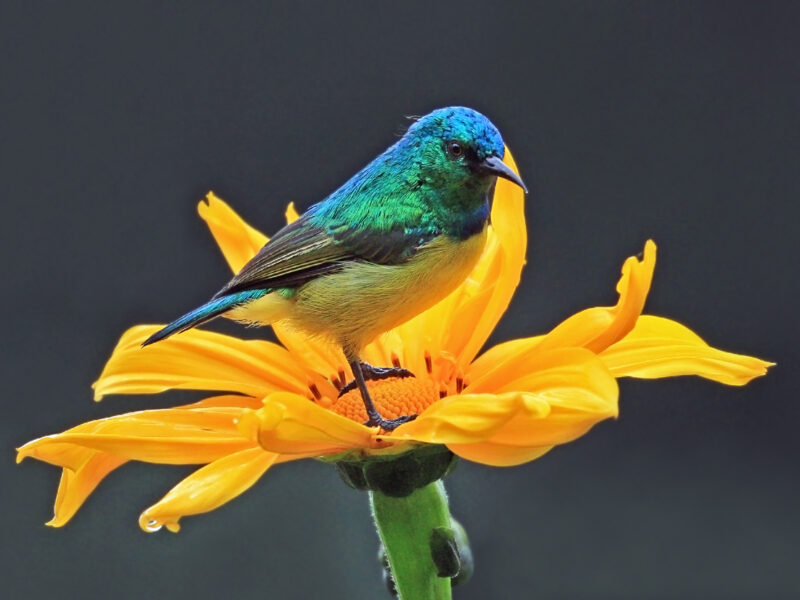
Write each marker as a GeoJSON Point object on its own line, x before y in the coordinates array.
{"type": "Point", "coordinates": [202, 314]}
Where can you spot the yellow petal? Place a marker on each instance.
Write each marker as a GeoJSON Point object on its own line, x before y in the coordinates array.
{"type": "Point", "coordinates": [498, 355]}
{"type": "Point", "coordinates": [291, 214]}
{"type": "Point", "coordinates": [533, 370]}
{"type": "Point", "coordinates": [238, 241]}
{"type": "Point", "coordinates": [598, 328]}
{"type": "Point", "coordinates": [315, 355]}
{"type": "Point", "coordinates": [208, 488]}
{"type": "Point", "coordinates": [171, 436]}
{"type": "Point", "coordinates": [464, 418]}
{"type": "Point", "coordinates": [560, 426]}
{"type": "Point", "coordinates": [76, 486]}
{"type": "Point", "coordinates": [90, 467]}
{"type": "Point", "coordinates": [226, 401]}
{"type": "Point", "coordinates": [659, 347]}
{"type": "Point", "coordinates": [577, 387]}
{"type": "Point", "coordinates": [556, 397]}
{"type": "Point", "coordinates": [292, 424]}
{"type": "Point", "coordinates": [199, 360]}
{"type": "Point", "coordinates": [51, 450]}
{"type": "Point", "coordinates": [498, 455]}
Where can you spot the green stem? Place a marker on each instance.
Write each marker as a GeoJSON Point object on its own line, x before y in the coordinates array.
{"type": "Point", "coordinates": [406, 527]}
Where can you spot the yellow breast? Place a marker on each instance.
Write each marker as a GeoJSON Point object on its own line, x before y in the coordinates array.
{"type": "Point", "coordinates": [363, 300]}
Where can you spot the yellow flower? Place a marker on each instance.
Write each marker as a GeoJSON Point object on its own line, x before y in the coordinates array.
{"type": "Point", "coordinates": [281, 402]}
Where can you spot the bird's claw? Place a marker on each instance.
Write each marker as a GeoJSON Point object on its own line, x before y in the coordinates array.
{"type": "Point", "coordinates": [374, 374]}
{"type": "Point", "coordinates": [390, 424]}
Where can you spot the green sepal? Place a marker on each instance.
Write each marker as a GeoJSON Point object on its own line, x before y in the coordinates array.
{"type": "Point", "coordinates": [396, 475]}
{"type": "Point", "coordinates": [352, 473]}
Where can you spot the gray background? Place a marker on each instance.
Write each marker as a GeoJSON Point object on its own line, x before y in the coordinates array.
{"type": "Point", "coordinates": [676, 121]}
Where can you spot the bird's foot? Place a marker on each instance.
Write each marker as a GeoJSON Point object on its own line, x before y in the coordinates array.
{"type": "Point", "coordinates": [361, 373]}
{"type": "Point", "coordinates": [389, 424]}
{"type": "Point", "coordinates": [374, 374]}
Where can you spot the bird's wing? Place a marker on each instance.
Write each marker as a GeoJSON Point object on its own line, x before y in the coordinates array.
{"type": "Point", "coordinates": [302, 251]}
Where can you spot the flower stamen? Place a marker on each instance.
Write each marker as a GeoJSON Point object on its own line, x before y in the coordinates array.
{"type": "Point", "coordinates": [335, 381]}
{"type": "Point", "coordinates": [393, 397]}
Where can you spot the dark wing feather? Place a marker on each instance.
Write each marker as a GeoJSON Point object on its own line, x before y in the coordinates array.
{"type": "Point", "coordinates": [383, 247]}
{"type": "Point", "coordinates": [302, 251]}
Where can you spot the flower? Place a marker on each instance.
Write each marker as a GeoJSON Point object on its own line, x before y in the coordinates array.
{"type": "Point", "coordinates": [278, 403]}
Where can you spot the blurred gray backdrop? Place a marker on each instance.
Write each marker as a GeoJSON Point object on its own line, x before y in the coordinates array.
{"type": "Point", "coordinates": [676, 121]}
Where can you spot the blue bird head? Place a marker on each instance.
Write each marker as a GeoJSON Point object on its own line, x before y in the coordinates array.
{"type": "Point", "coordinates": [458, 147]}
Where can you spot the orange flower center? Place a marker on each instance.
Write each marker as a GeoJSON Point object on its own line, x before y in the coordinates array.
{"type": "Point", "coordinates": [393, 397]}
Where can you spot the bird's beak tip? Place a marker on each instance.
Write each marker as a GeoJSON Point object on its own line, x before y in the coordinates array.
{"type": "Point", "coordinates": [496, 166]}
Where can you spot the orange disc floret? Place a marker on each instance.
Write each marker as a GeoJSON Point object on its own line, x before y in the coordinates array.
{"type": "Point", "coordinates": [394, 397]}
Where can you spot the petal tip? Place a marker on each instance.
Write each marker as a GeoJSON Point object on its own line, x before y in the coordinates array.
{"type": "Point", "coordinates": [205, 203]}
{"type": "Point", "coordinates": [151, 524]}
{"type": "Point", "coordinates": [291, 213]}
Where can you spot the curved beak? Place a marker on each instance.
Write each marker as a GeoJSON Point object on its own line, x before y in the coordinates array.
{"type": "Point", "coordinates": [496, 166]}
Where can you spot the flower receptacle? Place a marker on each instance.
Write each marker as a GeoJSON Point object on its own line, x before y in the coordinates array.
{"type": "Point", "coordinates": [397, 475]}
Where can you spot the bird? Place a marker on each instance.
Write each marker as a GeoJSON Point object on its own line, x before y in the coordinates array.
{"type": "Point", "coordinates": [392, 241]}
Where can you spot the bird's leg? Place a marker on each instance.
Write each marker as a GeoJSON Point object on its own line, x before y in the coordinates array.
{"type": "Point", "coordinates": [374, 417]}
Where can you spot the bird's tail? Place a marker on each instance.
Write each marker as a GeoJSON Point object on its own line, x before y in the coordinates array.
{"type": "Point", "coordinates": [202, 314]}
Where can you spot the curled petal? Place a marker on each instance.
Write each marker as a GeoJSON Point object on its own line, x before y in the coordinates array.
{"type": "Point", "coordinates": [499, 354]}
{"type": "Point", "coordinates": [208, 488]}
{"type": "Point", "coordinates": [76, 486]}
{"type": "Point", "coordinates": [498, 455]}
{"type": "Point", "coordinates": [597, 328]}
{"type": "Point", "coordinates": [467, 417]}
{"type": "Point", "coordinates": [198, 360]}
{"type": "Point", "coordinates": [483, 311]}
{"type": "Point", "coordinates": [659, 347]}
{"type": "Point", "coordinates": [532, 370]}
{"type": "Point", "coordinates": [238, 241]}
{"type": "Point", "coordinates": [292, 424]}
{"type": "Point", "coordinates": [52, 450]}
{"type": "Point", "coordinates": [86, 468]}
{"type": "Point", "coordinates": [171, 436]}
{"type": "Point", "coordinates": [560, 426]}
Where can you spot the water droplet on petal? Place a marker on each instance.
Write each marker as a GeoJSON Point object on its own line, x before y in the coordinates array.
{"type": "Point", "coordinates": [152, 525]}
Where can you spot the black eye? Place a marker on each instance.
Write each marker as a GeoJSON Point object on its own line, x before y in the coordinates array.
{"type": "Point", "coordinates": [455, 149]}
